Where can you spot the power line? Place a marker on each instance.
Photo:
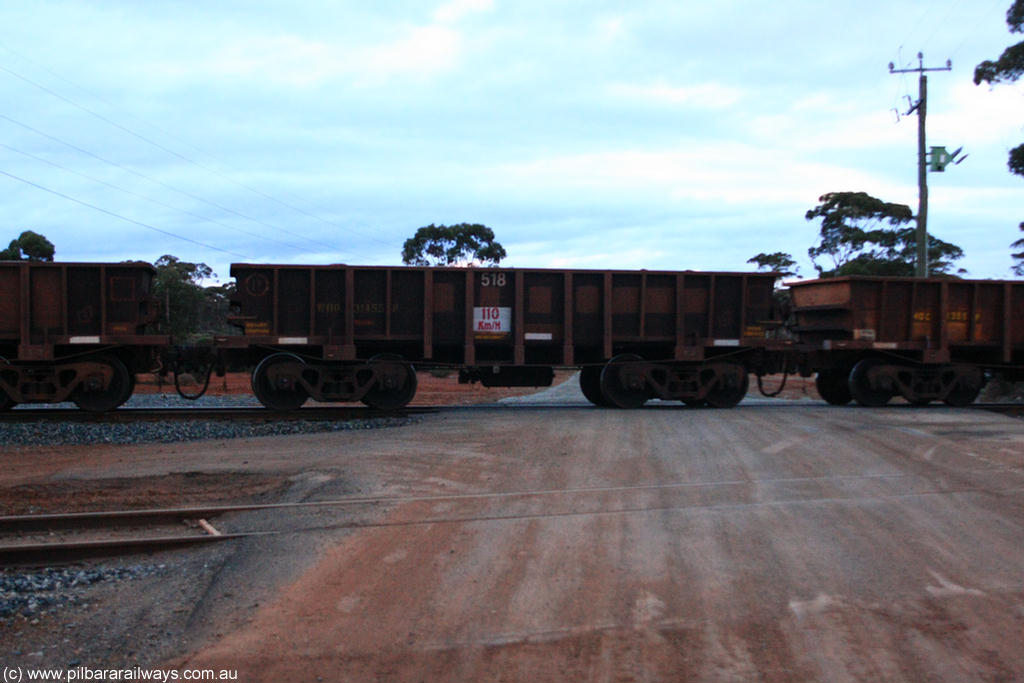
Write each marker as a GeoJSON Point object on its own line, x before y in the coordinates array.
{"type": "Point", "coordinates": [901, 84]}
{"type": "Point", "coordinates": [123, 218]}
{"type": "Point", "coordinates": [148, 199]}
{"type": "Point", "coordinates": [93, 95]}
{"type": "Point", "coordinates": [159, 182]}
{"type": "Point", "coordinates": [940, 24]}
{"type": "Point", "coordinates": [183, 157]}
{"type": "Point", "coordinates": [917, 24]}
{"type": "Point", "coordinates": [984, 16]}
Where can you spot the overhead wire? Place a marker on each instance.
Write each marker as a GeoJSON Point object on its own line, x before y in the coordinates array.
{"type": "Point", "coordinates": [95, 96]}
{"type": "Point", "coordinates": [981, 18]}
{"type": "Point", "coordinates": [120, 217]}
{"type": "Point", "coordinates": [957, 27]}
{"type": "Point", "coordinates": [937, 26]}
{"type": "Point", "coordinates": [904, 101]}
{"type": "Point", "coordinates": [185, 212]}
{"type": "Point", "coordinates": [176, 154]}
{"type": "Point", "coordinates": [158, 182]}
{"type": "Point", "coordinates": [940, 24]}
{"type": "Point", "coordinates": [917, 24]}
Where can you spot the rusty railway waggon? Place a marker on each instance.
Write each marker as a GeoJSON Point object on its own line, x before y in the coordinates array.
{"type": "Point", "coordinates": [350, 333]}
{"type": "Point", "coordinates": [81, 331]}
{"type": "Point", "coordinates": [872, 338]}
{"type": "Point", "coordinates": [75, 331]}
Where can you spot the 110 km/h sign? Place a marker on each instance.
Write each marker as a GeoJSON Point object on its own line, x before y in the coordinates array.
{"type": "Point", "coordinates": [492, 321]}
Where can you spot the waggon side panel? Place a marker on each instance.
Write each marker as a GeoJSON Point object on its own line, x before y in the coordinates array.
{"type": "Point", "coordinates": [936, 319]}
{"type": "Point", "coordinates": [499, 315]}
{"type": "Point", "coordinates": [49, 310]}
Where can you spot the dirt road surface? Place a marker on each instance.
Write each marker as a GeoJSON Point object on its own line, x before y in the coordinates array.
{"type": "Point", "coordinates": [779, 542]}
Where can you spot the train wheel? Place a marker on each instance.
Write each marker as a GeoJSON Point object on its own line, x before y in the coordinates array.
{"type": "Point", "coordinates": [861, 388]}
{"type": "Point", "coordinates": [965, 391]}
{"type": "Point", "coordinates": [395, 385]}
{"type": "Point", "coordinates": [962, 395]}
{"type": "Point", "coordinates": [730, 388]}
{"type": "Point", "coordinates": [90, 394]}
{"type": "Point", "coordinates": [6, 402]}
{"type": "Point", "coordinates": [833, 386]}
{"type": "Point", "coordinates": [623, 383]}
{"type": "Point", "coordinates": [590, 385]}
{"type": "Point", "coordinates": [274, 382]}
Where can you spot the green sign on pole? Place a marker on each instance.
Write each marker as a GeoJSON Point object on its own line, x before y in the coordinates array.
{"type": "Point", "coordinates": [939, 158]}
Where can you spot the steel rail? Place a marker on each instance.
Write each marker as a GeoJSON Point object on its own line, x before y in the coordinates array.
{"type": "Point", "coordinates": [49, 521]}
{"type": "Point", "coordinates": [66, 551]}
{"type": "Point", "coordinates": [14, 552]}
{"type": "Point", "coordinates": [322, 413]}
{"type": "Point", "coordinates": [20, 554]}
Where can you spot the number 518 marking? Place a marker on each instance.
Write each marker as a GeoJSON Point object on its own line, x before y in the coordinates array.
{"type": "Point", "coordinates": [492, 280]}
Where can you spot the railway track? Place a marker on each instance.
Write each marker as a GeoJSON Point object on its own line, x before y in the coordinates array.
{"type": "Point", "coordinates": [1012, 409]}
{"type": "Point", "coordinates": [340, 413]}
{"type": "Point", "coordinates": [61, 538]}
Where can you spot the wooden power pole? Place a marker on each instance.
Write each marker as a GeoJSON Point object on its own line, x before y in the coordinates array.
{"type": "Point", "coordinates": [921, 267]}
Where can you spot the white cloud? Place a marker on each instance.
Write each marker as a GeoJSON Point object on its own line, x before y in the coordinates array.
{"type": "Point", "coordinates": [455, 10]}
{"type": "Point", "coordinates": [420, 51]}
{"type": "Point", "coordinates": [721, 173]}
{"type": "Point", "coordinates": [609, 29]}
{"type": "Point", "coordinates": [697, 96]}
{"type": "Point", "coordinates": [282, 59]}
{"type": "Point", "coordinates": [857, 130]}
{"type": "Point", "coordinates": [976, 114]}
{"type": "Point", "coordinates": [290, 60]}
{"type": "Point", "coordinates": [541, 253]}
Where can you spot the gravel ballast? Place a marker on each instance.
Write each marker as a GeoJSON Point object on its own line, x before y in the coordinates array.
{"type": "Point", "coordinates": [36, 592]}
{"type": "Point", "coordinates": [59, 433]}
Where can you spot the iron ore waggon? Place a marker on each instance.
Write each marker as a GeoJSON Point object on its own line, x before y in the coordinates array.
{"type": "Point", "coordinates": [75, 331]}
{"type": "Point", "coordinates": [872, 338]}
{"type": "Point", "coordinates": [82, 331]}
{"type": "Point", "coordinates": [351, 333]}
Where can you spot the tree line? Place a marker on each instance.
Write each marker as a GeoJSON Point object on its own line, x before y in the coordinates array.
{"type": "Point", "coordinates": [863, 235]}
{"type": "Point", "coordinates": [1008, 69]}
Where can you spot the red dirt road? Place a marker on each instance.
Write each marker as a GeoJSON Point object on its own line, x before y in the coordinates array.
{"type": "Point", "coordinates": [777, 543]}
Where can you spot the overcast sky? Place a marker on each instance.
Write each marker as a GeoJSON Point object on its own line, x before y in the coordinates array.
{"type": "Point", "coordinates": [660, 135]}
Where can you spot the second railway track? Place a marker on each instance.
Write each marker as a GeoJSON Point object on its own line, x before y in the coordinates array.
{"type": "Point", "coordinates": [62, 538]}
{"type": "Point", "coordinates": [59, 538]}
